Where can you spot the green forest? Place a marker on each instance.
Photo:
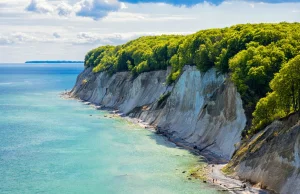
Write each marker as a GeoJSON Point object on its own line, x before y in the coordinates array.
{"type": "Point", "coordinates": [263, 61]}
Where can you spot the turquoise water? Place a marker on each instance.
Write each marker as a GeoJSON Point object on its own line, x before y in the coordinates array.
{"type": "Point", "coordinates": [52, 145]}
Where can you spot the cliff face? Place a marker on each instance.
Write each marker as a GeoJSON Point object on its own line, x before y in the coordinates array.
{"type": "Point", "coordinates": [272, 157]}
{"type": "Point", "coordinates": [120, 91]}
{"type": "Point", "coordinates": [202, 110]}
{"type": "Point", "coordinates": [199, 109]}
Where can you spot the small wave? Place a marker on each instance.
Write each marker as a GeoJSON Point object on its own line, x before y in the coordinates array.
{"type": "Point", "coordinates": [25, 82]}
{"type": "Point", "coordinates": [38, 94]}
{"type": "Point", "coordinates": [5, 83]}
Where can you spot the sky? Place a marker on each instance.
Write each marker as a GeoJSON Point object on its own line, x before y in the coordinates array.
{"type": "Point", "coordinates": [68, 29]}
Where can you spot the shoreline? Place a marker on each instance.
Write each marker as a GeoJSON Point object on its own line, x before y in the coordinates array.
{"type": "Point", "coordinates": [214, 163]}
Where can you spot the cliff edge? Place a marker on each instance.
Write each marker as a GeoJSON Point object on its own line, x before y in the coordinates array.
{"type": "Point", "coordinates": [200, 109]}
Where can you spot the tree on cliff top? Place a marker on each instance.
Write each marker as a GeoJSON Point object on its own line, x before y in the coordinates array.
{"type": "Point", "coordinates": [250, 53]}
{"type": "Point", "coordinates": [283, 100]}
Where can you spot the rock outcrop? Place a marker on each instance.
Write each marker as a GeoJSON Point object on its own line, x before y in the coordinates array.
{"type": "Point", "coordinates": [272, 157]}
{"type": "Point", "coordinates": [200, 109]}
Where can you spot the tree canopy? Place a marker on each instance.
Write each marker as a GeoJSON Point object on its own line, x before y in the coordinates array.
{"type": "Point", "coordinates": [251, 53]}
{"type": "Point", "coordinates": [284, 98]}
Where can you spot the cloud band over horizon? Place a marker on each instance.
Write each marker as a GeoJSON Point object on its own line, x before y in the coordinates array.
{"type": "Point", "coordinates": [98, 9]}
{"type": "Point", "coordinates": [67, 29]}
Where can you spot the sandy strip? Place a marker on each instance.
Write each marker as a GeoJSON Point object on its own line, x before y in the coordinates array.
{"type": "Point", "coordinates": [216, 177]}
{"type": "Point", "coordinates": [230, 184]}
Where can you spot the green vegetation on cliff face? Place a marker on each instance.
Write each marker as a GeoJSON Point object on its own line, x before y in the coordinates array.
{"type": "Point", "coordinates": [251, 53]}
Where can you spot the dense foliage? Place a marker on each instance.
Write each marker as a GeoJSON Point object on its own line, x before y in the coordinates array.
{"type": "Point", "coordinates": [141, 55]}
{"type": "Point", "coordinates": [283, 100]}
{"type": "Point", "coordinates": [251, 53]}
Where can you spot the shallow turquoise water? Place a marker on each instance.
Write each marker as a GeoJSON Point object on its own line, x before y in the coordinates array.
{"type": "Point", "coordinates": [52, 145]}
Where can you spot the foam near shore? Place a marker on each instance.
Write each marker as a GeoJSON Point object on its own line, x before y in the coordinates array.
{"type": "Point", "coordinates": [206, 106]}
{"type": "Point", "coordinates": [210, 173]}
{"type": "Point", "coordinates": [203, 110]}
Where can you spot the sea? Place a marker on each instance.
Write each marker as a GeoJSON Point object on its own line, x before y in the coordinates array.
{"type": "Point", "coordinates": [53, 145]}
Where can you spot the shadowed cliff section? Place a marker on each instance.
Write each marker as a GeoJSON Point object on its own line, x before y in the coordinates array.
{"type": "Point", "coordinates": [272, 157]}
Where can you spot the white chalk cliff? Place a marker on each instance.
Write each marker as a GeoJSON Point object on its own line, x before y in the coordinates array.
{"type": "Point", "coordinates": [200, 109]}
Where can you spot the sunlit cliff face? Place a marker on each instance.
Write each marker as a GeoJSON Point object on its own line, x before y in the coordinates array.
{"type": "Point", "coordinates": [202, 109]}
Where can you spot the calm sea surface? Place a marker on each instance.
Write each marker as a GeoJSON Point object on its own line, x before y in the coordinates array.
{"type": "Point", "coordinates": [52, 145]}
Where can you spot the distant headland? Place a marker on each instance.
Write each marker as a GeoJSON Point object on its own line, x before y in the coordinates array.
{"type": "Point", "coordinates": [54, 62]}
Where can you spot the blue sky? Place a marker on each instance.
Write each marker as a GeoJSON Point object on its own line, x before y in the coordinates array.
{"type": "Point", "coordinates": [67, 29]}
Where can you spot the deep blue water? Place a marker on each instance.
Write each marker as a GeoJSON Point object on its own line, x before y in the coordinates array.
{"type": "Point", "coordinates": [53, 145]}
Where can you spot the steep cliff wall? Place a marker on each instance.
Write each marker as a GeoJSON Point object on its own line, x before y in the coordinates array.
{"type": "Point", "coordinates": [199, 109]}
{"type": "Point", "coordinates": [272, 157]}
{"type": "Point", "coordinates": [120, 91]}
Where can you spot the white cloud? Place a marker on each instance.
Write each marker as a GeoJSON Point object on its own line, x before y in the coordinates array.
{"type": "Point", "coordinates": [56, 35]}
{"type": "Point", "coordinates": [2, 4]}
{"type": "Point", "coordinates": [22, 38]}
{"type": "Point", "coordinates": [39, 6]}
{"type": "Point", "coordinates": [114, 38]}
{"type": "Point", "coordinates": [56, 28]}
{"type": "Point", "coordinates": [81, 38]}
{"type": "Point", "coordinates": [127, 16]}
{"type": "Point", "coordinates": [64, 9]}
{"type": "Point", "coordinates": [123, 6]}
{"type": "Point", "coordinates": [97, 9]}
{"type": "Point", "coordinates": [44, 7]}
{"type": "Point", "coordinates": [5, 40]}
